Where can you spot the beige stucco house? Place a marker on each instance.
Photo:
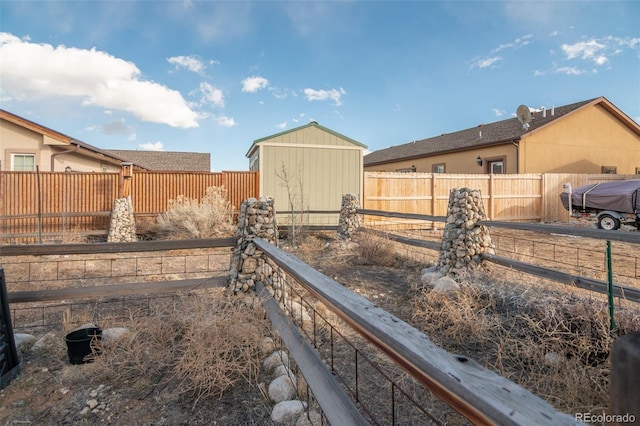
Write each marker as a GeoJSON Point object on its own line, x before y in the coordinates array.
{"type": "Point", "coordinates": [311, 167]}
{"type": "Point", "coordinates": [591, 136]}
{"type": "Point", "coordinates": [25, 145]}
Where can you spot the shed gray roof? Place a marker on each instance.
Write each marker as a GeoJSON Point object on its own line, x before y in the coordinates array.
{"type": "Point", "coordinates": [483, 135]}
{"type": "Point", "coordinates": [167, 160]}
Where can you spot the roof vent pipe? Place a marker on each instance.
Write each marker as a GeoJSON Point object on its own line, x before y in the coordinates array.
{"type": "Point", "coordinates": [553, 110]}
{"type": "Point", "coordinates": [544, 112]}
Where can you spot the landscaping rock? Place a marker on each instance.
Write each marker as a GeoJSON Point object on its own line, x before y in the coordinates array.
{"type": "Point", "coordinates": [286, 411]}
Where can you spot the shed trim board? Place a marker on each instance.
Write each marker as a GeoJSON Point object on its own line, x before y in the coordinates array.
{"type": "Point", "coordinates": [304, 145]}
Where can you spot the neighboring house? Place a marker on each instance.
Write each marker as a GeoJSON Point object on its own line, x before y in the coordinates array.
{"type": "Point", "coordinates": [25, 145]}
{"type": "Point", "coordinates": [591, 136]}
{"type": "Point", "coordinates": [167, 160]}
{"type": "Point", "coordinates": [311, 167]}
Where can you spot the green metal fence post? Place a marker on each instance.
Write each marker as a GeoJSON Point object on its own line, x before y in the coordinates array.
{"type": "Point", "coordinates": [612, 321]}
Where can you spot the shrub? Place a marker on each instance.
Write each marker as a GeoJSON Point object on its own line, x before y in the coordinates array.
{"type": "Point", "coordinates": [206, 343]}
{"type": "Point", "coordinates": [187, 218]}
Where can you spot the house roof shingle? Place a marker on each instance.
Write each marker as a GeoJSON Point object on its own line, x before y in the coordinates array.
{"type": "Point", "coordinates": [482, 135]}
{"type": "Point", "coordinates": [167, 160]}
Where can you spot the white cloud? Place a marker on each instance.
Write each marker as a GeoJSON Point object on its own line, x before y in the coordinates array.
{"type": "Point", "coordinates": [516, 44]}
{"type": "Point", "coordinates": [282, 125]}
{"type": "Point", "coordinates": [157, 146]}
{"type": "Point", "coordinates": [583, 49]}
{"type": "Point", "coordinates": [323, 95]}
{"type": "Point", "coordinates": [498, 112]}
{"type": "Point", "coordinates": [253, 84]}
{"type": "Point", "coordinates": [631, 43]}
{"type": "Point", "coordinates": [38, 71]}
{"type": "Point", "coordinates": [211, 95]}
{"type": "Point", "coordinates": [224, 121]}
{"type": "Point", "coordinates": [191, 63]}
{"type": "Point", "coordinates": [569, 70]}
{"type": "Point", "coordinates": [486, 62]}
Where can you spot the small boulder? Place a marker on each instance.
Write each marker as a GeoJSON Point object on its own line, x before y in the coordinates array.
{"type": "Point", "coordinates": [285, 412]}
{"type": "Point", "coordinates": [445, 285]}
{"type": "Point", "coordinates": [275, 359]}
{"type": "Point", "coordinates": [282, 388]}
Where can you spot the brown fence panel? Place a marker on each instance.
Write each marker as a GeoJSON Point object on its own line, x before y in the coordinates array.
{"type": "Point", "coordinates": [152, 191]}
{"type": "Point", "coordinates": [54, 203]}
{"type": "Point", "coordinates": [51, 204]}
{"type": "Point", "coordinates": [240, 186]}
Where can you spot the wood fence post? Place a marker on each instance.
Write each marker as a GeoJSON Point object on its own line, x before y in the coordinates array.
{"type": "Point", "coordinates": [127, 175]}
{"type": "Point", "coordinates": [625, 379]}
{"type": "Point", "coordinates": [492, 209]}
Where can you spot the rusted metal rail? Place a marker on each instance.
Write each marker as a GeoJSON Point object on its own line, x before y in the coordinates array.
{"type": "Point", "coordinates": [480, 395]}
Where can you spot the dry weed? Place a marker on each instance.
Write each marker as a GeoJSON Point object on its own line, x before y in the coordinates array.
{"type": "Point", "coordinates": [207, 344]}
{"type": "Point", "coordinates": [374, 250]}
{"type": "Point", "coordinates": [187, 218]}
{"type": "Point", "coordinates": [555, 344]}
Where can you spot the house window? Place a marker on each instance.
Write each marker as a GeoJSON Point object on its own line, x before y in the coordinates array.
{"type": "Point", "coordinates": [638, 170]}
{"type": "Point", "coordinates": [609, 170]}
{"type": "Point", "coordinates": [23, 162]}
{"type": "Point", "coordinates": [496, 167]}
{"type": "Point", "coordinates": [438, 168]}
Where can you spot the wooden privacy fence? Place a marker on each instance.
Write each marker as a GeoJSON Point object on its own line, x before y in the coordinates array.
{"type": "Point", "coordinates": [514, 197]}
{"type": "Point", "coordinates": [50, 204]}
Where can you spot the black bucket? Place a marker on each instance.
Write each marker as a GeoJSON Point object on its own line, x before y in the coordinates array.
{"type": "Point", "coordinates": [79, 344]}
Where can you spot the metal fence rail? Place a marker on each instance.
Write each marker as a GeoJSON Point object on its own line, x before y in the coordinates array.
{"type": "Point", "coordinates": [549, 269]}
{"type": "Point", "coordinates": [480, 395]}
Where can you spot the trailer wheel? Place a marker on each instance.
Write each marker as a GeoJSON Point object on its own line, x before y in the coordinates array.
{"type": "Point", "coordinates": [608, 222]}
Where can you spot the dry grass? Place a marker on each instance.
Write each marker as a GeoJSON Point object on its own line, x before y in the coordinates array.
{"type": "Point", "coordinates": [187, 218]}
{"type": "Point", "coordinates": [201, 345]}
{"type": "Point", "coordinates": [555, 344]}
{"type": "Point", "coordinates": [374, 250]}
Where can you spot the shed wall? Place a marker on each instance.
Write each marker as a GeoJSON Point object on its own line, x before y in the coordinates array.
{"type": "Point", "coordinates": [317, 177]}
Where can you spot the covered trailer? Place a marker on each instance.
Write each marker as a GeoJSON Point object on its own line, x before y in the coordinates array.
{"type": "Point", "coordinates": [611, 203]}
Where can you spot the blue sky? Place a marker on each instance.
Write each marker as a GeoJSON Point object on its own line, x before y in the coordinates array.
{"type": "Point", "coordinates": [214, 76]}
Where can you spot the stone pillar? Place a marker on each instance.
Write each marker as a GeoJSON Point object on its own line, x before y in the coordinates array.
{"type": "Point", "coordinates": [464, 240]}
{"type": "Point", "coordinates": [122, 228]}
{"type": "Point", "coordinates": [350, 221]}
{"type": "Point", "coordinates": [257, 218]}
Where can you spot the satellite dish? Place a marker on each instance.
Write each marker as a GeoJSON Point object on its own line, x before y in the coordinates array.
{"type": "Point", "coordinates": [524, 116]}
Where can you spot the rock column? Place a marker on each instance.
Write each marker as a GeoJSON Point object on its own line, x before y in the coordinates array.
{"type": "Point", "coordinates": [464, 240]}
{"type": "Point", "coordinates": [122, 228]}
{"type": "Point", "coordinates": [257, 218]}
{"type": "Point", "coordinates": [350, 221]}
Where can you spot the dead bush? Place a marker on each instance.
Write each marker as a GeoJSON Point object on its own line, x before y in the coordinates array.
{"type": "Point", "coordinates": [373, 250]}
{"type": "Point", "coordinates": [555, 344]}
{"type": "Point", "coordinates": [205, 344]}
{"type": "Point", "coordinates": [187, 218]}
